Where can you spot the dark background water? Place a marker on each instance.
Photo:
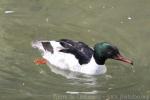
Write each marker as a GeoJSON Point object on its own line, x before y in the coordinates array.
{"type": "Point", "coordinates": [124, 23]}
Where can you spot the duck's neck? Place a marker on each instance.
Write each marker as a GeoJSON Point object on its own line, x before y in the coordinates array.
{"type": "Point", "coordinates": [99, 59]}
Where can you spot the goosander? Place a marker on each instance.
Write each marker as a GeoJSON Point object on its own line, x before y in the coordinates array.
{"type": "Point", "coordinates": [77, 56]}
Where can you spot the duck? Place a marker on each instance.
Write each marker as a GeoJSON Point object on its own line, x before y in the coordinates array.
{"type": "Point", "coordinates": [76, 56]}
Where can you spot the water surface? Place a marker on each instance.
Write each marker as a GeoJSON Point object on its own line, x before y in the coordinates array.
{"type": "Point", "coordinates": [124, 23]}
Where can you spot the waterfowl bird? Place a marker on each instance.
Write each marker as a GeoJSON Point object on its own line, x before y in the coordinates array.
{"type": "Point", "coordinates": [77, 56]}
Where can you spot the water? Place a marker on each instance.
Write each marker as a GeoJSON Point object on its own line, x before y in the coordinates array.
{"type": "Point", "coordinates": [124, 23]}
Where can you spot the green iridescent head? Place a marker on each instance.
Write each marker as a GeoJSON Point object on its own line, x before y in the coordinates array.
{"type": "Point", "coordinates": [104, 51]}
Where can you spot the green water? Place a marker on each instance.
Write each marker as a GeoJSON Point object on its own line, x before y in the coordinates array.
{"type": "Point", "coordinates": [124, 23]}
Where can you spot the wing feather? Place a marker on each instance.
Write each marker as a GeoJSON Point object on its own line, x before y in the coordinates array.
{"type": "Point", "coordinates": [79, 49]}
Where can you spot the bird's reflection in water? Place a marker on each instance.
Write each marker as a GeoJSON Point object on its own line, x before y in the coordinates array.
{"type": "Point", "coordinates": [74, 76]}
{"type": "Point", "coordinates": [91, 82]}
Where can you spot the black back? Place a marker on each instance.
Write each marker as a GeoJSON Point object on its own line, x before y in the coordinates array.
{"type": "Point", "coordinates": [81, 51]}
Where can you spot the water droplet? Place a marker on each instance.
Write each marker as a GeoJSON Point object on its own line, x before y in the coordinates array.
{"type": "Point", "coordinates": [129, 18]}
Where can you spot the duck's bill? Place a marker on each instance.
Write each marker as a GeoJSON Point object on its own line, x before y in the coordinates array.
{"type": "Point", "coordinates": [123, 59]}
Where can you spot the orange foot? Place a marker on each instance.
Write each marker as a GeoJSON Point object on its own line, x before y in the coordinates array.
{"type": "Point", "coordinates": [39, 61]}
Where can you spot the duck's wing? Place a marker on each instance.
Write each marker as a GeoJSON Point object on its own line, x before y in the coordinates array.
{"type": "Point", "coordinates": [79, 49]}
